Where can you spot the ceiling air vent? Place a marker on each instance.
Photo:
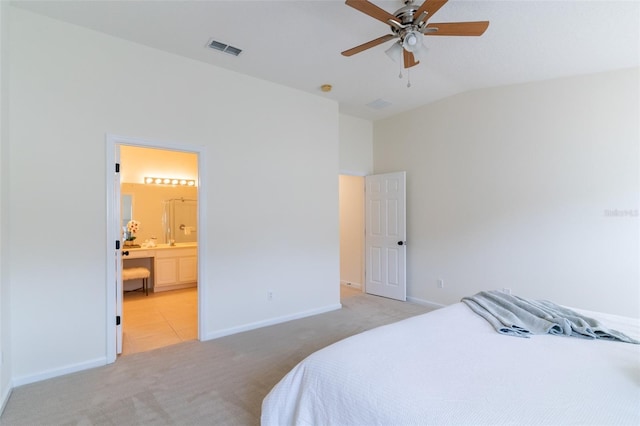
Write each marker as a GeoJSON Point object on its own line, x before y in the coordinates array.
{"type": "Point", "coordinates": [379, 104]}
{"type": "Point", "coordinates": [225, 48]}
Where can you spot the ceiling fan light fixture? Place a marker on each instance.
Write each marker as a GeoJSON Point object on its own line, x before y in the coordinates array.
{"type": "Point", "coordinates": [409, 24]}
{"type": "Point", "coordinates": [412, 41]}
{"type": "Point", "coordinates": [395, 52]}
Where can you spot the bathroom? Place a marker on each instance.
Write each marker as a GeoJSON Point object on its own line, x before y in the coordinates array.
{"type": "Point", "coordinates": [159, 191]}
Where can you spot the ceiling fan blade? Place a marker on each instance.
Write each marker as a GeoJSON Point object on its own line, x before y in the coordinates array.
{"type": "Point", "coordinates": [431, 7]}
{"type": "Point", "coordinates": [457, 28]}
{"type": "Point", "coordinates": [371, 9]}
{"type": "Point", "coordinates": [409, 59]}
{"type": "Point", "coordinates": [368, 45]}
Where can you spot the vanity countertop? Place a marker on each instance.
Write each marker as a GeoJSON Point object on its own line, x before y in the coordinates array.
{"type": "Point", "coordinates": [163, 247]}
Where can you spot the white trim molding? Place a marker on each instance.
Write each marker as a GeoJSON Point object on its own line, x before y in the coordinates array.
{"type": "Point", "coordinates": [56, 372]}
{"type": "Point", "coordinates": [272, 321]}
{"type": "Point", "coordinates": [426, 303]}
{"type": "Point", "coordinates": [351, 284]}
{"type": "Point", "coordinates": [5, 398]}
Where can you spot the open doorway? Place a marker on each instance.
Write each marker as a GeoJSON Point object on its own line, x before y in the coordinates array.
{"type": "Point", "coordinates": [164, 269]}
{"type": "Point", "coordinates": [352, 216]}
{"type": "Point", "coordinates": [159, 199]}
{"type": "Point", "coordinates": [373, 234]}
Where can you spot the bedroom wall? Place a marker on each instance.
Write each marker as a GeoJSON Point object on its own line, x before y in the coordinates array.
{"type": "Point", "coordinates": [356, 146]}
{"type": "Point", "coordinates": [69, 87]}
{"type": "Point", "coordinates": [5, 323]}
{"type": "Point", "coordinates": [532, 187]}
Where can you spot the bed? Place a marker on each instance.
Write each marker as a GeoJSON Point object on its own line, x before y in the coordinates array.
{"type": "Point", "coordinates": [450, 367]}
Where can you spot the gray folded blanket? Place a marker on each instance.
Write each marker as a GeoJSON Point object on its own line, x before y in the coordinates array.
{"type": "Point", "coordinates": [516, 316]}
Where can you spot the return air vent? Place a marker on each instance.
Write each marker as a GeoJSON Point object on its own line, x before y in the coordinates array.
{"type": "Point", "coordinates": [379, 104]}
{"type": "Point", "coordinates": [222, 47]}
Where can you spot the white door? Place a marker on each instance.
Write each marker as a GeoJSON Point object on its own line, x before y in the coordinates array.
{"type": "Point", "coordinates": [385, 235]}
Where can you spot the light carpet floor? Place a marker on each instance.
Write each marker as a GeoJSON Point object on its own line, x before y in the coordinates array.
{"type": "Point", "coordinates": [218, 382]}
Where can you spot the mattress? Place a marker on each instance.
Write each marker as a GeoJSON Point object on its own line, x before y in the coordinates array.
{"type": "Point", "coordinates": [450, 367]}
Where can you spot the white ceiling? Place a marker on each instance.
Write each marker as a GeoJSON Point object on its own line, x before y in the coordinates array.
{"type": "Point", "coordinates": [298, 43]}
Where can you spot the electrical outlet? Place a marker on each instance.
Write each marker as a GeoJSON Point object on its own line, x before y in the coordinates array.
{"type": "Point", "coordinates": [270, 295]}
{"type": "Point", "coordinates": [440, 283]}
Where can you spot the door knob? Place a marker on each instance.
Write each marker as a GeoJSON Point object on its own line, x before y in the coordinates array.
{"type": "Point", "coordinates": [125, 252]}
{"type": "Point", "coordinates": [402, 243]}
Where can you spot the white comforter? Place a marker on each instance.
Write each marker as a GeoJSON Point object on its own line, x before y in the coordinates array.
{"type": "Point", "coordinates": [451, 367]}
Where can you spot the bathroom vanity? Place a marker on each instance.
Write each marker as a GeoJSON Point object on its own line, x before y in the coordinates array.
{"type": "Point", "coordinates": [172, 267]}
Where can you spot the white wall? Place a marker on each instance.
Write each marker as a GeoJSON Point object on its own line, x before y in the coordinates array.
{"type": "Point", "coordinates": [271, 188]}
{"type": "Point", "coordinates": [5, 321]}
{"type": "Point", "coordinates": [356, 146]}
{"type": "Point", "coordinates": [510, 188]}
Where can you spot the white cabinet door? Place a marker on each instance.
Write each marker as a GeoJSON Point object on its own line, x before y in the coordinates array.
{"type": "Point", "coordinates": [188, 269]}
{"type": "Point", "coordinates": [175, 268]}
{"type": "Point", "coordinates": [166, 270]}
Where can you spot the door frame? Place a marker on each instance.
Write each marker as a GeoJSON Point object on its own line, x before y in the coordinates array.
{"type": "Point", "coordinates": [112, 142]}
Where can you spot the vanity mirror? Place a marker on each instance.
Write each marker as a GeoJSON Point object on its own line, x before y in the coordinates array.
{"type": "Point", "coordinates": [159, 217]}
{"type": "Point", "coordinates": [180, 217]}
{"type": "Point", "coordinates": [126, 209]}
{"type": "Point", "coordinates": [149, 179]}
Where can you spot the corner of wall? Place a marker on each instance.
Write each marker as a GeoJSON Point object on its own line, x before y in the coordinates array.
{"type": "Point", "coordinates": [5, 323]}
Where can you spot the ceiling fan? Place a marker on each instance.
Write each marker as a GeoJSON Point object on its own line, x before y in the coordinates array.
{"type": "Point", "coordinates": [408, 24]}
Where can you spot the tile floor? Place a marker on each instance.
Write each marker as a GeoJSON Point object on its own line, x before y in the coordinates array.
{"type": "Point", "coordinates": [159, 319]}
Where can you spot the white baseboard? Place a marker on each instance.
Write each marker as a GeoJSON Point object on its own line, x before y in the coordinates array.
{"type": "Point", "coordinates": [74, 368]}
{"type": "Point", "coordinates": [351, 284]}
{"type": "Point", "coordinates": [272, 321]}
{"type": "Point", "coordinates": [426, 303]}
{"type": "Point", "coordinates": [5, 398]}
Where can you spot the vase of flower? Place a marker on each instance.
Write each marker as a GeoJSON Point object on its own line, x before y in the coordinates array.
{"type": "Point", "coordinates": [130, 233]}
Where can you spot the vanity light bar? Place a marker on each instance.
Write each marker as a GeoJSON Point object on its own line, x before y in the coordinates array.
{"type": "Point", "coordinates": [169, 181]}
